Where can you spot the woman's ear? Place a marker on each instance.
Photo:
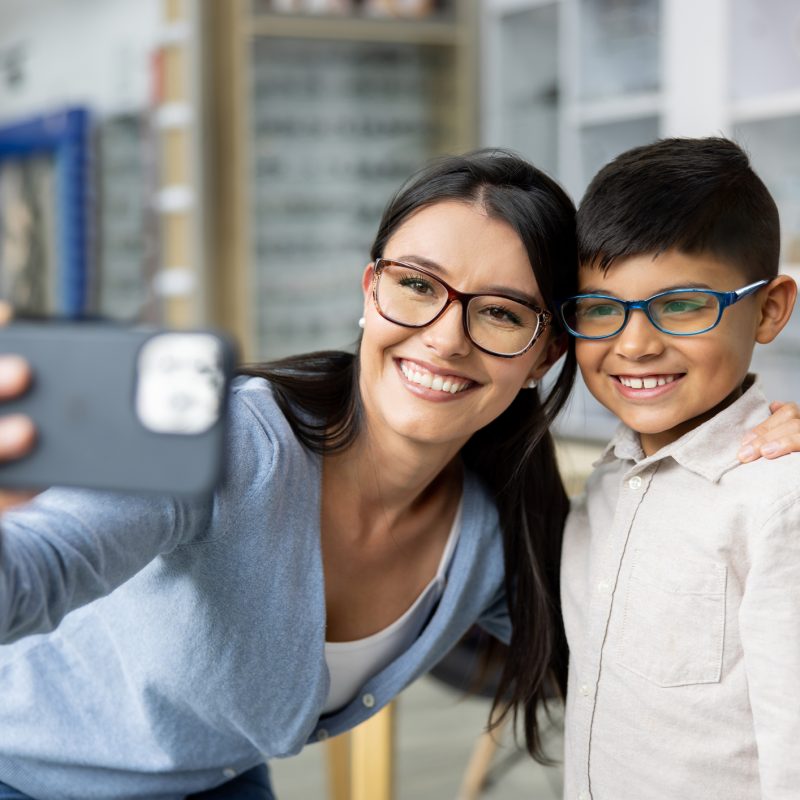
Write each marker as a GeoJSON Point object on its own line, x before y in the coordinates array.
{"type": "Point", "coordinates": [366, 279]}
{"type": "Point", "coordinates": [555, 348]}
{"type": "Point", "coordinates": [777, 303]}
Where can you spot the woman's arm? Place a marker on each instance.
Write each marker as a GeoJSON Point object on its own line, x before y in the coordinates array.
{"type": "Point", "coordinates": [776, 436]}
{"type": "Point", "coordinates": [68, 547]}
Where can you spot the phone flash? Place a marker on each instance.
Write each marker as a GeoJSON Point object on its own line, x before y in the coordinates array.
{"type": "Point", "coordinates": [180, 381]}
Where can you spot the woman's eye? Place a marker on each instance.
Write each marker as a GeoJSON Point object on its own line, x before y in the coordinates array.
{"type": "Point", "coordinates": [417, 285]}
{"type": "Point", "coordinates": [500, 314]}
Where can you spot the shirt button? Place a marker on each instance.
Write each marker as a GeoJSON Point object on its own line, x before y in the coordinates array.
{"type": "Point", "coordinates": [322, 735]}
{"type": "Point", "coordinates": [368, 700]}
{"type": "Point", "coordinates": [583, 796]}
{"type": "Point", "coordinates": [229, 772]}
{"type": "Point", "coordinates": [603, 587]}
{"type": "Point", "coordinates": [584, 690]}
{"type": "Point", "coordinates": [635, 483]}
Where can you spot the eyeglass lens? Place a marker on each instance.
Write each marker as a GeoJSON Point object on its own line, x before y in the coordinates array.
{"type": "Point", "coordinates": [675, 312]}
{"type": "Point", "coordinates": [498, 324]}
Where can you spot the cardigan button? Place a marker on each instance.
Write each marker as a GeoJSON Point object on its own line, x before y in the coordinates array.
{"type": "Point", "coordinates": [368, 700]}
{"type": "Point", "coordinates": [322, 735]}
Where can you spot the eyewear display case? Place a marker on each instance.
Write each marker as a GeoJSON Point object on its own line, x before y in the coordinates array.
{"type": "Point", "coordinates": [318, 119]}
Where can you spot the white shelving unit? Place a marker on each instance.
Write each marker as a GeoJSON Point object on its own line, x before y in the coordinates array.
{"type": "Point", "coordinates": [620, 73]}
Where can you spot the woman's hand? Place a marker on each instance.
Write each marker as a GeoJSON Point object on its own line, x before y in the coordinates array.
{"type": "Point", "coordinates": [776, 436]}
{"type": "Point", "coordinates": [17, 432]}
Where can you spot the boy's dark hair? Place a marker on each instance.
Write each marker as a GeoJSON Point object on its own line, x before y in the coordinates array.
{"type": "Point", "coordinates": [697, 196]}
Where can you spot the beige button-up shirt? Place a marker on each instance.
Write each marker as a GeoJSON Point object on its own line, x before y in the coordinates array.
{"type": "Point", "coordinates": [681, 600]}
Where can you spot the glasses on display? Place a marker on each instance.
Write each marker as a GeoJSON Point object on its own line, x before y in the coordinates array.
{"type": "Point", "coordinates": [496, 324]}
{"type": "Point", "coordinates": [679, 312]}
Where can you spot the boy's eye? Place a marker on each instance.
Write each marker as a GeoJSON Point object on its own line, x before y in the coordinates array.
{"type": "Point", "coordinates": [683, 305]}
{"type": "Point", "coordinates": [596, 309]}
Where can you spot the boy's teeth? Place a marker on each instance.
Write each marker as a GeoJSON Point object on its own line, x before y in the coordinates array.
{"type": "Point", "coordinates": [427, 379]}
{"type": "Point", "coordinates": [646, 383]}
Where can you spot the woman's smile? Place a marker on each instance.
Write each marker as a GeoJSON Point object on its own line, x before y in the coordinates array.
{"type": "Point", "coordinates": [439, 381]}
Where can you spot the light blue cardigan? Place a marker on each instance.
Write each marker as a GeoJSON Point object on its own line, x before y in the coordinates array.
{"type": "Point", "coordinates": [204, 651]}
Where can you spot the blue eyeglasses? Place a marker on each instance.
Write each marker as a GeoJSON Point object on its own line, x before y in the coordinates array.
{"type": "Point", "coordinates": [678, 312]}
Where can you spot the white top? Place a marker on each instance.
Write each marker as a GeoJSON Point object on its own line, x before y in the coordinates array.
{"type": "Point", "coordinates": [680, 582]}
{"type": "Point", "coordinates": [352, 664]}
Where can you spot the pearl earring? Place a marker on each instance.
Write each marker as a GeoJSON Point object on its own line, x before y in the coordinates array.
{"type": "Point", "coordinates": [361, 323]}
{"type": "Point", "coordinates": [530, 383]}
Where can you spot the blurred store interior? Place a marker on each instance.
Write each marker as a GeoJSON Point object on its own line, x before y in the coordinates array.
{"type": "Point", "coordinates": [225, 162]}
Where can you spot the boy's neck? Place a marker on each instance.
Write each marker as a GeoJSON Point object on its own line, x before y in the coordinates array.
{"type": "Point", "coordinates": [653, 442]}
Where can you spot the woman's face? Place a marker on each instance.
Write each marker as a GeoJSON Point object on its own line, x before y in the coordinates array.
{"type": "Point", "coordinates": [432, 385]}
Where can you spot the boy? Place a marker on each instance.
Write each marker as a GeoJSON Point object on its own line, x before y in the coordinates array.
{"type": "Point", "coordinates": [681, 566]}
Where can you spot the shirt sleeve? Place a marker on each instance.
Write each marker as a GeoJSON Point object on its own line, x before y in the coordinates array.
{"type": "Point", "coordinates": [69, 547]}
{"type": "Point", "coordinates": [768, 620]}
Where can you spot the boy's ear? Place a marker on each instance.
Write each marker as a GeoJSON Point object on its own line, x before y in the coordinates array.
{"type": "Point", "coordinates": [776, 308]}
{"type": "Point", "coordinates": [555, 348]}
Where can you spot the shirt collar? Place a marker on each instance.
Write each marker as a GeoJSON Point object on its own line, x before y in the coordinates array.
{"type": "Point", "coordinates": [710, 450]}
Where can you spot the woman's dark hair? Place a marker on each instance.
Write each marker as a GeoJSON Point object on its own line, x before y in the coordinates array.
{"type": "Point", "coordinates": [697, 196]}
{"type": "Point", "coordinates": [514, 454]}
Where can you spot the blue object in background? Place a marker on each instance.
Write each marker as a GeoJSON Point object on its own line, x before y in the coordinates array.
{"type": "Point", "coordinates": [65, 135]}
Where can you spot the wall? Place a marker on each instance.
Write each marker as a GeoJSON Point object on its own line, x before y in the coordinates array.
{"type": "Point", "coordinates": [94, 52]}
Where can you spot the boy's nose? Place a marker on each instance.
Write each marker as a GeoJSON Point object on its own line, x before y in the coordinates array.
{"type": "Point", "coordinates": [447, 335]}
{"type": "Point", "coordinates": [639, 338]}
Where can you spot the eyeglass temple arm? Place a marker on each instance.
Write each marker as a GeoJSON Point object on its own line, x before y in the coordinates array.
{"type": "Point", "coordinates": [746, 290]}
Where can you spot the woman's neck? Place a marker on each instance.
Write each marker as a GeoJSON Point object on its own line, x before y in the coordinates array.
{"type": "Point", "coordinates": [385, 482]}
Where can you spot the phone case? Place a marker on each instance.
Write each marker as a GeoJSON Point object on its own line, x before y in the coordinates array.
{"type": "Point", "coordinates": [119, 408]}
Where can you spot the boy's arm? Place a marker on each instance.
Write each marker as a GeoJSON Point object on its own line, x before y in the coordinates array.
{"type": "Point", "coordinates": [776, 436]}
{"type": "Point", "coordinates": [769, 620]}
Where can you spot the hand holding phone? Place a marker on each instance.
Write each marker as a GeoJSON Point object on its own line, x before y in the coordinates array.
{"type": "Point", "coordinates": [17, 432]}
{"type": "Point", "coordinates": [119, 408]}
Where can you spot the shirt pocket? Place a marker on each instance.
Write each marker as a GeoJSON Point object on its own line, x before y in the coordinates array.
{"type": "Point", "coordinates": [673, 628]}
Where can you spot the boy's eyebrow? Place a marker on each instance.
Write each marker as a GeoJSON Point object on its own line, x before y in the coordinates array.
{"type": "Point", "coordinates": [676, 287]}
{"type": "Point", "coordinates": [433, 266]}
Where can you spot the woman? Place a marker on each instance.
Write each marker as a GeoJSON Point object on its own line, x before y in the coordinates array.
{"type": "Point", "coordinates": [354, 541]}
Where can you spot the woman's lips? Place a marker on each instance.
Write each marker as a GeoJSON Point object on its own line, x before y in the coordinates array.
{"type": "Point", "coordinates": [437, 381]}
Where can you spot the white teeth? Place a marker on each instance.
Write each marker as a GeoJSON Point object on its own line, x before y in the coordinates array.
{"type": "Point", "coordinates": [646, 383]}
{"type": "Point", "coordinates": [431, 381]}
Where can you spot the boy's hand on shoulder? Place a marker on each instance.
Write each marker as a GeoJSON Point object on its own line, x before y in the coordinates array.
{"type": "Point", "coordinates": [776, 436]}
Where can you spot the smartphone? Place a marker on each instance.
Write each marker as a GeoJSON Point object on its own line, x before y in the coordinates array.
{"type": "Point", "coordinates": [120, 408]}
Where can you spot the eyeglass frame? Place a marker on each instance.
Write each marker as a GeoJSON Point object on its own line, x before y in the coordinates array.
{"type": "Point", "coordinates": [724, 300]}
{"type": "Point", "coordinates": [543, 317]}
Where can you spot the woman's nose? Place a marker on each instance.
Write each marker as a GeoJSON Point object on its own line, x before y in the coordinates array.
{"type": "Point", "coordinates": [447, 335]}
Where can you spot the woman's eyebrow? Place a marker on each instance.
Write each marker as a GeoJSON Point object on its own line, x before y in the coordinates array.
{"type": "Point", "coordinates": [434, 266]}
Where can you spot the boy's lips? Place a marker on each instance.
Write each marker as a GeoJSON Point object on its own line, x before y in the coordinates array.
{"type": "Point", "coordinates": [435, 379]}
{"type": "Point", "coordinates": [647, 386]}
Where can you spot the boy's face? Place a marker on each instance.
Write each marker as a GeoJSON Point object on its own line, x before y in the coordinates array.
{"type": "Point", "coordinates": [699, 373]}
